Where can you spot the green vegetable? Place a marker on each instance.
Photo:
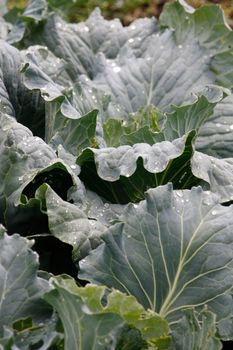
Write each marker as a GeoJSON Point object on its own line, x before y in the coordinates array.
{"type": "Point", "coordinates": [117, 175]}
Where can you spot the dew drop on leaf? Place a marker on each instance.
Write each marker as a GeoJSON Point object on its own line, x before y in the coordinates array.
{"type": "Point", "coordinates": [116, 69]}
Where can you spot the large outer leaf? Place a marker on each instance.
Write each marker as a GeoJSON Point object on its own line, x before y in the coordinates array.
{"type": "Point", "coordinates": [171, 251]}
{"type": "Point", "coordinates": [161, 77]}
{"type": "Point", "coordinates": [216, 37]}
{"type": "Point", "coordinates": [90, 325]}
{"type": "Point", "coordinates": [215, 137]}
{"type": "Point", "coordinates": [21, 290]}
{"type": "Point", "coordinates": [15, 99]}
{"type": "Point", "coordinates": [26, 162]}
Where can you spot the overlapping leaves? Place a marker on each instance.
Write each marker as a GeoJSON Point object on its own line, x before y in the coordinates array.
{"type": "Point", "coordinates": [118, 111]}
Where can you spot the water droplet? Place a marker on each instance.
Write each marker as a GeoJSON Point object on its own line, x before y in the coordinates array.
{"type": "Point", "coordinates": [231, 127]}
{"type": "Point", "coordinates": [106, 205]}
{"type": "Point", "coordinates": [179, 194]}
{"type": "Point", "coordinates": [131, 40]}
{"type": "Point", "coordinates": [116, 69]}
{"type": "Point", "coordinates": [59, 25]}
{"type": "Point", "coordinates": [135, 205]}
{"type": "Point", "coordinates": [133, 27]}
{"type": "Point", "coordinates": [86, 29]}
{"type": "Point", "coordinates": [218, 125]}
{"type": "Point", "coordinates": [73, 166]}
{"type": "Point", "coordinates": [86, 309]}
{"type": "Point", "coordinates": [129, 236]}
{"type": "Point", "coordinates": [180, 46]}
{"type": "Point", "coordinates": [214, 212]}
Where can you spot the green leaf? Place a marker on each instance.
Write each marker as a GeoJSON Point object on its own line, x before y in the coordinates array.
{"type": "Point", "coordinates": [124, 173]}
{"type": "Point", "coordinates": [171, 251]}
{"type": "Point", "coordinates": [150, 125]}
{"type": "Point", "coordinates": [3, 8]}
{"type": "Point", "coordinates": [209, 27]}
{"type": "Point", "coordinates": [70, 224]}
{"type": "Point", "coordinates": [196, 331]}
{"type": "Point", "coordinates": [21, 290]}
{"type": "Point", "coordinates": [27, 162]}
{"type": "Point", "coordinates": [217, 173]}
{"type": "Point", "coordinates": [75, 135]}
{"type": "Point", "coordinates": [36, 10]}
{"type": "Point", "coordinates": [15, 99]}
{"type": "Point", "coordinates": [53, 66]}
{"type": "Point", "coordinates": [85, 39]}
{"type": "Point", "coordinates": [42, 336]}
{"type": "Point", "coordinates": [215, 137]}
{"type": "Point", "coordinates": [90, 324]}
{"type": "Point", "coordinates": [4, 27]}
{"type": "Point", "coordinates": [6, 339]}
{"type": "Point", "coordinates": [36, 79]}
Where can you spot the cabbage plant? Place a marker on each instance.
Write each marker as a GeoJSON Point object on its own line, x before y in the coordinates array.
{"type": "Point", "coordinates": [116, 180]}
